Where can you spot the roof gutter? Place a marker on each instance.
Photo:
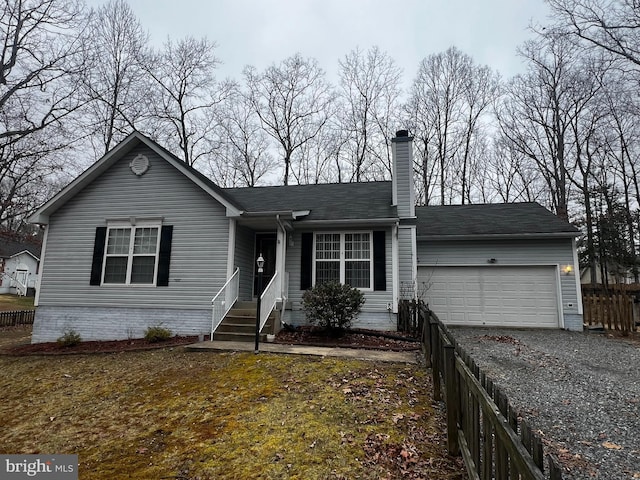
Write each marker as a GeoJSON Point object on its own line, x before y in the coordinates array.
{"type": "Point", "coordinates": [500, 236]}
{"type": "Point", "coordinates": [348, 222]}
{"type": "Point", "coordinates": [288, 214]}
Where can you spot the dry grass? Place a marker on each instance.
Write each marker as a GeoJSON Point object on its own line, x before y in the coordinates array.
{"type": "Point", "coordinates": [14, 302]}
{"type": "Point", "coordinates": [174, 414]}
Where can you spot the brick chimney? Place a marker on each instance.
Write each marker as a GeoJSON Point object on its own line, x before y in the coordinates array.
{"type": "Point", "coordinates": [402, 182]}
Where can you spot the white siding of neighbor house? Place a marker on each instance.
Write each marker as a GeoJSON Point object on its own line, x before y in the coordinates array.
{"type": "Point", "coordinates": [374, 313]}
{"type": "Point", "coordinates": [198, 252]}
{"type": "Point", "coordinates": [245, 245]}
{"type": "Point", "coordinates": [512, 252]}
{"type": "Point", "coordinates": [22, 261]}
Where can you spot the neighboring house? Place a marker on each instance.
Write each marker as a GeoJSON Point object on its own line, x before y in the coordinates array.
{"type": "Point", "coordinates": [19, 262]}
{"type": "Point", "coordinates": [141, 239]}
{"type": "Point", "coordinates": [614, 274]}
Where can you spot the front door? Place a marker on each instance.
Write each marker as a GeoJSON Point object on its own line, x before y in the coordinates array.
{"type": "Point", "coordinates": [265, 245]}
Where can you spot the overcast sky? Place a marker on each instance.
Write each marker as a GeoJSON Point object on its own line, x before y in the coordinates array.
{"type": "Point", "coordinates": [262, 32]}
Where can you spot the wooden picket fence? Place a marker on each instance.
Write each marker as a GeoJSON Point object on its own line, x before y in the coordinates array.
{"type": "Point", "coordinates": [613, 311]}
{"type": "Point", "coordinates": [482, 426]}
{"type": "Point", "coordinates": [410, 321]}
{"type": "Point", "coordinates": [17, 317]}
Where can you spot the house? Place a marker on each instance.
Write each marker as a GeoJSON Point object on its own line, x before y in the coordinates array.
{"type": "Point", "coordinates": [610, 271]}
{"type": "Point", "coordinates": [140, 239]}
{"type": "Point", "coordinates": [19, 262]}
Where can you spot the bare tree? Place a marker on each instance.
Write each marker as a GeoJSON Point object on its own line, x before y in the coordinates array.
{"type": "Point", "coordinates": [511, 176]}
{"type": "Point", "coordinates": [370, 90]}
{"type": "Point", "coordinates": [185, 96]}
{"type": "Point", "coordinates": [438, 91]}
{"type": "Point", "coordinates": [321, 157]}
{"type": "Point", "coordinates": [244, 158]}
{"type": "Point", "coordinates": [449, 98]}
{"type": "Point", "coordinates": [539, 109]}
{"type": "Point", "coordinates": [41, 59]}
{"type": "Point", "coordinates": [480, 92]}
{"type": "Point", "coordinates": [612, 25]}
{"type": "Point", "coordinates": [293, 101]}
{"type": "Point", "coordinates": [115, 81]}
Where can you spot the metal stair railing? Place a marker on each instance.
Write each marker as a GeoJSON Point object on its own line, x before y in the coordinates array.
{"type": "Point", "coordinates": [224, 300]}
{"type": "Point", "coordinates": [269, 298]}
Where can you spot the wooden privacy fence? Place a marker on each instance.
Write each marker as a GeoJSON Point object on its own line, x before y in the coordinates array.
{"type": "Point", "coordinates": [482, 426]}
{"type": "Point", "coordinates": [613, 311]}
{"type": "Point", "coordinates": [15, 318]}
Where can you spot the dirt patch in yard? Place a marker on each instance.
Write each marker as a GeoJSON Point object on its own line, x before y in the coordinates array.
{"type": "Point", "coordinates": [355, 338]}
{"type": "Point", "coordinates": [113, 346]}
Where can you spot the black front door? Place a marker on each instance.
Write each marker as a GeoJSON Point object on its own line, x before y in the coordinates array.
{"type": "Point", "coordinates": [265, 245]}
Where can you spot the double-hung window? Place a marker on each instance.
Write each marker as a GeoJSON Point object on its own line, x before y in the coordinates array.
{"type": "Point", "coordinates": [131, 254]}
{"type": "Point", "coordinates": [344, 258]}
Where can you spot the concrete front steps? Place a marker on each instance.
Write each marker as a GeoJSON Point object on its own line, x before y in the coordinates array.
{"type": "Point", "coordinates": [240, 324]}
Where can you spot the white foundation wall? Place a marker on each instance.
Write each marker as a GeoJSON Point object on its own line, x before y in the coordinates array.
{"type": "Point", "coordinates": [115, 323]}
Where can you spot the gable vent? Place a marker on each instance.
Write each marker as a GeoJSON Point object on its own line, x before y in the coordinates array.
{"type": "Point", "coordinates": [139, 165]}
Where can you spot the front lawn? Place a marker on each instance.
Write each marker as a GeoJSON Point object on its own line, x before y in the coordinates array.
{"type": "Point", "coordinates": [174, 414]}
{"type": "Point", "coordinates": [14, 302]}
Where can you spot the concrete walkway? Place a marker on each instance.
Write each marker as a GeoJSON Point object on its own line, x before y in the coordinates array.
{"type": "Point", "coordinates": [359, 354]}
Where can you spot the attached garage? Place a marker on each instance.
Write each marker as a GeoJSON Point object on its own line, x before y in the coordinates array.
{"type": "Point", "coordinates": [504, 296]}
{"type": "Point", "coordinates": [500, 265]}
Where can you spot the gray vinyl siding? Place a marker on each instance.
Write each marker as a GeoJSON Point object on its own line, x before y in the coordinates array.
{"type": "Point", "coordinates": [513, 252]}
{"type": "Point", "coordinates": [405, 262]}
{"type": "Point", "coordinates": [375, 301]}
{"type": "Point", "coordinates": [404, 179]}
{"type": "Point", "coordinates": [245, 245]}
{"type": "Point", "coordinates": [199, 247]}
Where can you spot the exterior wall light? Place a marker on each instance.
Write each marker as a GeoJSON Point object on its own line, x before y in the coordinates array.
{"type": "Point", "coordinates": [260, 264]}
{"type": "Point", "coordinates": [567, 269]}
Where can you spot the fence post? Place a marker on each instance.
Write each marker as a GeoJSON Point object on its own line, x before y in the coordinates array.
{"type": "Point", "coordinates": [453, 398]}
{"type": "Point", "coordinates": [555, 471]}
{"type": "Point", "coordinates": [435, 359]}
{"type": "Point", "coordinates": [426, 339]}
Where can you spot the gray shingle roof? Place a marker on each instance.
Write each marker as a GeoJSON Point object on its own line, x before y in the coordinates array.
{"type": "Point", "coordinates": [10, 245]}
{"type": "Point", "coordinates": [490, 219]}
{"type": "Point", "coordinates": [333, 201]}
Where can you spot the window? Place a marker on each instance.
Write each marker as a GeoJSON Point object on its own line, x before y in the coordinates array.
{"type": "Point", "coordinates": [131, 255]}
{"type": "Point", "coordinates": [344, 258]}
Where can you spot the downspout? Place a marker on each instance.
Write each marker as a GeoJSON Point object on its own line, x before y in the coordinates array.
{"type": "Point", "coordinates": [43, 252]}
{"type": "Point", "coordinates": [395, 268]}
{"type": "Point", "coordinates": [283, 275]}
{"type": "Point", "coordinates": [283, 249]}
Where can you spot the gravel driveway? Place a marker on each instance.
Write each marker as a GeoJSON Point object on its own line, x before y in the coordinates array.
{"type": "Point", "coordinates": [580, 390]}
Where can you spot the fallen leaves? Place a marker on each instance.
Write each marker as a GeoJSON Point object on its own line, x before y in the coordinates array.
{"type": "Point", "coordinates": [611, 446]}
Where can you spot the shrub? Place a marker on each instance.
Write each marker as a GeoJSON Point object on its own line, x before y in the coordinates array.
{"type": "Point", "coordinates": [70, 338]}
{"type": "Point", "coordinates": [157, 334]}
{"type": "Point", "coordinates": [332, 306]}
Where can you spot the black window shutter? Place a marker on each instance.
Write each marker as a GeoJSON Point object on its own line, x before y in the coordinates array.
{"type": "Point", "coordinates": [98, 255]}
{"type": "Point", "coordinates": [379, 261]}
{"type": "Point", "coordinates": [164, 255]}
{"type": "Point", "coordinates": [306, 265]}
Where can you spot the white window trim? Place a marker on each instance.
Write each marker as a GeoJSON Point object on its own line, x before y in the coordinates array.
{"type": "Point", "coordinates": [132, 224]}
{"type": "Point", "coordinates": [342, 260]}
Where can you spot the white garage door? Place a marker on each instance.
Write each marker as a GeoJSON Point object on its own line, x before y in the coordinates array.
{"type": "Point", "coordinates": [493, 295]}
